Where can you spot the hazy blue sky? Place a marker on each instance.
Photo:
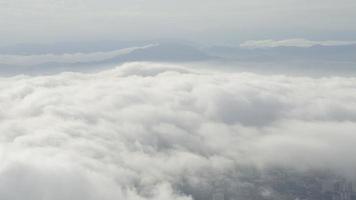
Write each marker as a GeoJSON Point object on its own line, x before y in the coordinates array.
{"type": "Point", "coordinates": [218, 21]}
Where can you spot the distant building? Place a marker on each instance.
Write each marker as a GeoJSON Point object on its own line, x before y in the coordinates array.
{"type": "Point", "coordinates": [218, 196]}
{"type": "Point", "coordinates": [342, 190]}
{"type": "Point", "coordinates": [338, 190]}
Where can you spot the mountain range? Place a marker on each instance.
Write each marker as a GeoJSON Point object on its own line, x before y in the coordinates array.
{"type": "Point", "coordinates": [52, 58]}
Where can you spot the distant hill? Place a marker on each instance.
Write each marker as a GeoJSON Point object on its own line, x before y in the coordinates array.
{"type": "Point", "coordinates": [34, 59]}
{"type": "Point", "coordinates": [165, 52]}
{"type": "Point", "coordinates": [317, 52]}
{"type": "Point", "coordinates": [53, 63]}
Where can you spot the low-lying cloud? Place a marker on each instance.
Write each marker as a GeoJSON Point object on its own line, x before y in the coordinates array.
{"type": "Point", "coordinates": [29, 60]}
{"type": "Point", "coordinates": [157, 131]}
{"type": "Point", "coordinates": [297, 42]}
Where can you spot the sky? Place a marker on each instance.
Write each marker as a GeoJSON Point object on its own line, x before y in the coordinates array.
{"type": "Point", "coordinates": [208, 21]}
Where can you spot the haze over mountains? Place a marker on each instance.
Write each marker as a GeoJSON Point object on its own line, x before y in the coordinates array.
{"type": "Point", "coordinates": [52, 58]}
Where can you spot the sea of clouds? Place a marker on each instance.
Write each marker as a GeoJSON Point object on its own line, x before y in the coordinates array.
{"type": "Point", "coordinates": [166, 132]}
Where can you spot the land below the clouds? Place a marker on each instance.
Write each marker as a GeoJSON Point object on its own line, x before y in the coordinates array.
{"type": "Point", "coordinates": [316, 60]}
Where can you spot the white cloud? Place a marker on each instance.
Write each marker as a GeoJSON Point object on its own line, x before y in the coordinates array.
{"type": "Point", "coordinates": [150, 131]}
{"type": "Point", "coordinates": [298, 42]}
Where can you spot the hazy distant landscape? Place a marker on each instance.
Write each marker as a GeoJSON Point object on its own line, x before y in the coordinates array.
{"type": "Point", "coordinates": [316, 59]}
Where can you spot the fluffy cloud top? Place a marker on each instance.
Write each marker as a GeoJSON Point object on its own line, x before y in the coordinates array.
{"type": "Point", "coordinates": [154, 131]}
{"type": "Point", "coordinates": [298, 42]}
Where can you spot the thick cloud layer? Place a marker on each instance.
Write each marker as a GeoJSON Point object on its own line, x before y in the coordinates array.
{"type": "Point", "coordinates": [155, 131]}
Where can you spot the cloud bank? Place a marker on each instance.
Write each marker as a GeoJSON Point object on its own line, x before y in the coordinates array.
{"type": "Point", "coordinates": [298, 42]}
{"type": "Point", "coordinates": [156, 131]}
